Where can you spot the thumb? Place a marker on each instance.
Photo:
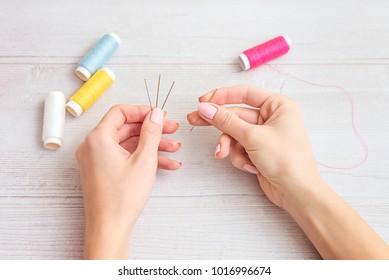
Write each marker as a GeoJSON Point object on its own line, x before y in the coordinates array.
{"type": "Point", "coordinates": [224, 120]}
{"type": "Point", "coordinates": [151, 133]}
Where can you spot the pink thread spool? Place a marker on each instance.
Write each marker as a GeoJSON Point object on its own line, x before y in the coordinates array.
{"type": "Point", "coordinates": [264, 52]}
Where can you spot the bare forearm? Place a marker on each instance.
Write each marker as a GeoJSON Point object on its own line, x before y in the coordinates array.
{"type": "Point", "coordinates": [334, 228]}
{"type": "Point", "coordinates": [106, 243]}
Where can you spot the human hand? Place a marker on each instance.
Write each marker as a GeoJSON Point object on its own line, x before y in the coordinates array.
{"type": "Point", "coordinates": [268, 139]}
{"type": "Point", "coordinates": [118, 162]}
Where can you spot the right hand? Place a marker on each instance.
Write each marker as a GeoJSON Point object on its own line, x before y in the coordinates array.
{"type": "Point", "coordinates": [118, 163]}
{"type": "Point", "coordinates": [269, 139]}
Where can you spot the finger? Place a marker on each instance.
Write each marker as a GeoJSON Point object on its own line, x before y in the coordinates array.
{"type": "Point", "coordinates": [129, 130]}
{"type": "Point", "coordinates": [225, 120]}
{"type": "Point", "coordinates": [166, 145]}
{"type": "Point", "coordinates": [130, 144]}
{"type": "Point", "coordinates": [168, 164]}
{"type": "Point", "coordinates": [240, 159]}
{"type": "Point", "coordinates": [250, 115]}
{"type": "Point", "coordinates": [150, 134]}
{"type": "Point", "coordinates": [240, 94]}
{"type": "Point", "coordinates": [195, 119]}
{"type": "Point", "coordinates": [121, 114]}
{"type": "Point", "coordinates": [223, 146]}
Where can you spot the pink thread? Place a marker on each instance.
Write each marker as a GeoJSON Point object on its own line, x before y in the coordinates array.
{"type": "Point", "coordinates": [357, 133]}
{"type": "Point", "coordinates": [264, 52]}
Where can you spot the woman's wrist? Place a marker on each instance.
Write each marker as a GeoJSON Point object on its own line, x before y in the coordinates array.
{"type": "Point", "coordinates": [302, 194]}
{"type": "Point", "coordinates": [106, 241]}
{"type": "Point", "coordinates": [311, 207]}
{"type": "Point", "coordinates": [333, 227]}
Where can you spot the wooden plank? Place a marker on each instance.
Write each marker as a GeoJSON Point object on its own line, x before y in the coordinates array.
{"type": "Point", "coordinates": [27, 168]}
{"type": "Point", "coordinates": [171, 229]}
{"type": "Point", "coordinates": [222, 213]}
{"type": "Point", "coordinates": [197, 32]}
{"type": "Point", "coordinates": [41, 233]}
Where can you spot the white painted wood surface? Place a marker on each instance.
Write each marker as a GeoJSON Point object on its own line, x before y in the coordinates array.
{"type": "Point", "coordinates": [208, 209]}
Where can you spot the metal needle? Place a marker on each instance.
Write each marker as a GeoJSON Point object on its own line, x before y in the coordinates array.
{"type": "Point", "coordinates": [159, 82]}
{"type": "Point", "coordinates": [148, 94]}
{"type": "Point", "coordinates": [167, 96]}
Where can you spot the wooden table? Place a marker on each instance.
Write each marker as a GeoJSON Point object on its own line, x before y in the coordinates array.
{"type": "Point", "coordinates": [208, 209]}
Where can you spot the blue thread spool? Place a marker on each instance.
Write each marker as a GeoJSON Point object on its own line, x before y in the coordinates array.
{"type": "Point", "coordinates": [97, 56]}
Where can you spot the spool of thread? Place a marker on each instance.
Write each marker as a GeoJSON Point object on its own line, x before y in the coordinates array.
{"type": "Point", "coordinates": [53, 120]}
{"type": "Point", "coordinates": [97, 56]}
{"type": "Point", "coordinates": [90, 92]}
{"type": "Point", "coordinates": [264, 52]}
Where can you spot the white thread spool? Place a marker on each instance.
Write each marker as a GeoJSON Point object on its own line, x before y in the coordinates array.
{"type": "Point", "coordinates": [53, 120]}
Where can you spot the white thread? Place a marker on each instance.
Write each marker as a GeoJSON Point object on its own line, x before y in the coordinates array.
{"type": "Point", "coordinates": [53, 120]}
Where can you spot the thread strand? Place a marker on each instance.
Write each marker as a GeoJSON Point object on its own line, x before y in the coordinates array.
{"type": "Point", "coordinates": [354, 127]}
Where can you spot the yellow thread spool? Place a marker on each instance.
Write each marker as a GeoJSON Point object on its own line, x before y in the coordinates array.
{"type": "Point", "coordinates": [90, 92]}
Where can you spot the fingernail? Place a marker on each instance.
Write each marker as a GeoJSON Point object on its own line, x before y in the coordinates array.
{"type": "Point", "coordinates": [217, 150]}
{"type": "Point", "coordinates": [207, 110]}
{"type": "Point", "coordinates": [157, 116]}
{"type": "Point", "coordinates": [250, 168]}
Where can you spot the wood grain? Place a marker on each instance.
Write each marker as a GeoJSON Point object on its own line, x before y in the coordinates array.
{"type": "Point", "coordinates": [208, 209]}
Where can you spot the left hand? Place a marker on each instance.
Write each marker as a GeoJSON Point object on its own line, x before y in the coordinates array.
{"type": "Point", "coordinates": [118, 162]}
